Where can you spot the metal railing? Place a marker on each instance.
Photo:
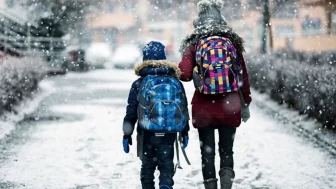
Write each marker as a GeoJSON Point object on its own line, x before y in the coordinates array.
{"type": "Point", "coordinates": [34, 45]}
{"type": "Point", "coordinates": [15, 36]}
{"type": "Point", "coordinates": [13, 16]}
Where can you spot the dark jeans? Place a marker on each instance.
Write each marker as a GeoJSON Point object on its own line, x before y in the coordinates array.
{"type": "Point", "coordinates": [157, 152]}
{"type": "Point", "coordinates": [207, 143]}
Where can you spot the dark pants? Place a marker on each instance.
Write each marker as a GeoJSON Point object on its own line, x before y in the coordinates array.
{"type": "Point", "coordinates": [157, 152]}
{"type": "Point", "coordinates": [207, 143]}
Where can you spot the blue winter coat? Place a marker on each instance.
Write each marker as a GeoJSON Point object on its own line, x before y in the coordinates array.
{"type": "Point", "coordinates": [147, 68]}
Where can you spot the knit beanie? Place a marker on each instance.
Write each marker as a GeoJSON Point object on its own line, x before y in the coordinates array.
{"type": "Point", "coordinates": [209, 13]}
{"type": "Point", "coordinates": [154, 50]}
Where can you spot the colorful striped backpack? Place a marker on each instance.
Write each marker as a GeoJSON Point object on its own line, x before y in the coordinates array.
{"type": "Point", "coordinates": [162, 105]}
{"type": "Point", "coordinates": [217, 69]}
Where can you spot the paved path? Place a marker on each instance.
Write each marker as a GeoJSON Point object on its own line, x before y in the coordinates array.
{"type": "Point", "coordinates": [73, 141]}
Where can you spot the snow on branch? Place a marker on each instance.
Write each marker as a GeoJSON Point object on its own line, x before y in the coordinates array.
{"type": "Point", "coordinates": [19, 77]}
{"type": "Point", "coordinates": [303, 81]}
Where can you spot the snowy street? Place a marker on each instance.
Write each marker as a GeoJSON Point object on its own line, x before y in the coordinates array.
{"type": "Point", "coordinates": [73, 141]}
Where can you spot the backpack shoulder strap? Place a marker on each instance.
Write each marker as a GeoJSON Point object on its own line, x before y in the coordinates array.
{"type": "Point", "coordinates": [179, 140]}
{"type": "Point", "coordinates": [141, 98]}
{"type": "Point", "coordinates": [178, 165]}
{"type": "Point", "coordinates": [183, 151]}
{"type": "Point", "coordinates": [140, 87]}
{"type": "Point", "coordinates": [241, 97]}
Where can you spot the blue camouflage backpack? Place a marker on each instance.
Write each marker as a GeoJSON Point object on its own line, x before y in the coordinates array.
{"type": "Point", "coordinates": [162, 104]}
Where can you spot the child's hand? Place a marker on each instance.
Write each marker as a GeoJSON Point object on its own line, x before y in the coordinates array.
{"type": "Point", "coordinates": [127, 140]}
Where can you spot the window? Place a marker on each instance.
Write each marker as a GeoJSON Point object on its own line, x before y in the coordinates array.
{"type": "Point", "coordinates": [254, 4]}
{"type": "Point", "coordinates": [233, 10]}
{"type": "Point", "coordinates": [285, 11]}
{"type": "Point", "coordinates": [169, 9]}
{"type": "Point", "coordinates": [162, 4]}
{"type": "Point", "coordinates": [109, 6]}
{"type": "Point", "coordinates": [129, 5]}
{"type": "Point", "coordinates": [10, 3]}
{"type": "Point", "coordinates": [284, 31]}
{"type": "Point", "coordinates": [311, 26]}
{"type": "Point", "coordinates": [157, 33]}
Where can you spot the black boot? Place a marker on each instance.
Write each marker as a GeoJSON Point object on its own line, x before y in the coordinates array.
{"type": "Point", "coordinates": [211, 183]}
{"type": "Point", "coordinates": [148, 186]}
{"type": "Point", "coordinates": [226, 177]}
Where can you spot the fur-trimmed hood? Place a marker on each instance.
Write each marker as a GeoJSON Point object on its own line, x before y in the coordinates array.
{"type": "Point", "coordinates": [157, 67]}
{"type": "Point", "coordinates": [212, 30]}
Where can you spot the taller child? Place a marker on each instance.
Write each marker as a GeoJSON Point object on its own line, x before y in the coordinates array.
{"type": "Point", "coordinates": [212, 57]}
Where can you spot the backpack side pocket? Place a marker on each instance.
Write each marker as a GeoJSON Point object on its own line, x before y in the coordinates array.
{"type": "Point", "coordinates": [197, 79]}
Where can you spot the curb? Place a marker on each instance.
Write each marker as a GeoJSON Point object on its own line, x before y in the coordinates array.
{"type": "Point", "coordinates": [56, 72]}
{"type": "Point", "coordinates": [302, 124]}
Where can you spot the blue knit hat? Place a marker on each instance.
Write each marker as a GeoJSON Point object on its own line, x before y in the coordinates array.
{"type": "Point", "coordinates": [154, 50]}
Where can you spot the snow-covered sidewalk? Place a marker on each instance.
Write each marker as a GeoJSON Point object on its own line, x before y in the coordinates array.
{"type": "Point", "coordinates": [86, 151]}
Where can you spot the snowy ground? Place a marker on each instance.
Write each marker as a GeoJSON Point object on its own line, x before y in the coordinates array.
{"type": "Point", "coordinates": [73, 141]}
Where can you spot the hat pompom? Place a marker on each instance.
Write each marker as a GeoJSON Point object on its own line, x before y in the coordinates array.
{"type": "Point", "coordinates": [204, 4]}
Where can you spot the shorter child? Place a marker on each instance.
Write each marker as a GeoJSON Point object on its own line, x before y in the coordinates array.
{"type": "Point", "coordinates": [158, 103]}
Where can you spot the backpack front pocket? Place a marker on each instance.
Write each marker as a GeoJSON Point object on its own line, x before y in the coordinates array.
{"type": "Point", "coordinates": [166, 114]}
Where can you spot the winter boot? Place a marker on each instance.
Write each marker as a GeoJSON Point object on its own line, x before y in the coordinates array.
{"type": "Point", "coordinates": [210, 183]}
{"type": "Point", "coordinates": [226, 177]}
{"type": "Point", "coordinates": [165, 186]}
{"type": "Point", "coordinates": [148, 186]}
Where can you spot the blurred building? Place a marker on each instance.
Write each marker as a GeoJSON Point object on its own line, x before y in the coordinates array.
{"type": "Point", "coordinates": [300, 25]}
{"type": "Point", "coordinates": [139, 21]}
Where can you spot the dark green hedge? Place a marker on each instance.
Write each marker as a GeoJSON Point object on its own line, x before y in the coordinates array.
{"type": "Point", "coordinates": [314, 58]}
{"type": "Point", "coordinates": [302, 82]}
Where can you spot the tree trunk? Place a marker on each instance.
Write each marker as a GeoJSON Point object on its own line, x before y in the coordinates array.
{"type": "Point", "coordinates": [265, 25]}
{"type": "Point", "coordinates": [329, 18]}
{"type": "Point", "coordinates": [270, 36]}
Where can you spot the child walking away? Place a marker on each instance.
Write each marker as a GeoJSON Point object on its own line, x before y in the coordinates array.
{"type": "Point", "coordinates": [157, 101]}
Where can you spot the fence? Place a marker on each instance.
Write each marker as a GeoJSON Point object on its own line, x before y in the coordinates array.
{"type": "Point", "coordinates": [16, 37]}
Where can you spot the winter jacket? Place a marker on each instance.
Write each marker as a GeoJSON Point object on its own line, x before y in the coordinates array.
{"type": "Point", "coordinates": [215, 110]}
{"type": "Point", "coordinates": [153, 67]}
